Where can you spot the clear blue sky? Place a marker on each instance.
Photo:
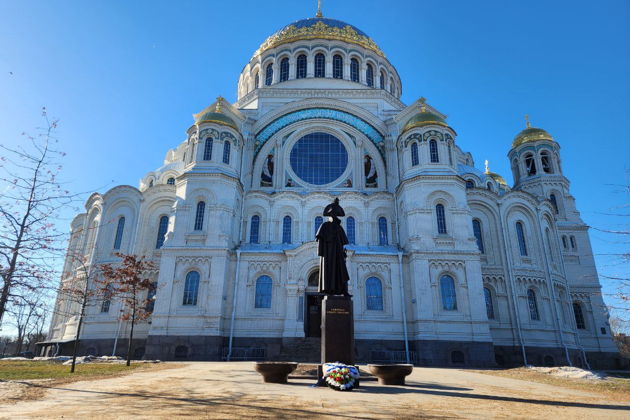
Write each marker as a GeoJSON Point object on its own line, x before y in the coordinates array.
{"type": "Point", "coordinates": [124, 78]}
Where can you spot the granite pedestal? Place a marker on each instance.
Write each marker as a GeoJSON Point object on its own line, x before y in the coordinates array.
{"type": "Point", "coordinates": [337, 330]}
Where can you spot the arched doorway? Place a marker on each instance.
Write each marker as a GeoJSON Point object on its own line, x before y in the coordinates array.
{"type": "Point", "coordinates": [313, 307]}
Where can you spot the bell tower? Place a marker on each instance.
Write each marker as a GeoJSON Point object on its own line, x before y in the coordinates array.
{"type": "Point", "coordinates": [536, 166]}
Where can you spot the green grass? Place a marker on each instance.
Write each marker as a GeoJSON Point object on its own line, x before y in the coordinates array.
{"type": "Point", "coordinates": [45, 370]}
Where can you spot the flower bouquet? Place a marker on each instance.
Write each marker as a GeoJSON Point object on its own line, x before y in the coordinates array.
{"type": "Point", "coordinates": [340, 377]}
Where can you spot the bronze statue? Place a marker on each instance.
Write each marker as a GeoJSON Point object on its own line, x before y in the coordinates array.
{"type": "Point", "coordinates": [333, 274]}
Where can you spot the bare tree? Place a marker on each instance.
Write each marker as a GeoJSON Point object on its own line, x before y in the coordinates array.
{"type": "Point", "coordinates": [130, 281]}
{"type": "Point", "coordinates": [76, 288]}
{"type": "Point", "coordinates": [31, 197]}
{"type": "Point", "coordinates": [27, 313]}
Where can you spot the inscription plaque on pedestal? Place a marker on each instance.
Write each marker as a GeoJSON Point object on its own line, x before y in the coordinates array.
{"type": "Point", "coordinates": [337, 330]}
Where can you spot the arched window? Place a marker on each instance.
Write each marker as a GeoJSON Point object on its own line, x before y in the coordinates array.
{"type": "Point", "coordinates": [489, 304]}
{"type": "Point", "coordinates": [226, 152]}
{"type": "Point", "coordinates": [470, 184]}
{"type": "Point", "coordinates": [170, 181]}
{"type": "Point", "coordinates": [517, 172]}
{"type": "Point", "coordinates": [533, 305]}
{"type": "Point", "coordinates": [565, 245]}
{"type": "Point", "coordinates": [530, 164]}
{"type": "Point", "coordinates": [151, 292]}
{"type": "Point", "coordinates": [478, 235]}
{"type": "Point", "coordinates": [351, 229]}
{"type": "Point", "coordinates": [313, 279]}
{"type": "Point", "coordinates": [554, 202]}
{"type": "Point", "coordinates": [382, 231]}
{"type": "Point", "coordinates": [382, 80]}
{"type": "Point", "coordinates": [107, 299]}
{"type": "Point", "coordinates": [191, 288]}
{"type": "Point", "coordinates": [284, 69]}
{"type": "Point", "coordinates": [300, 71]}
{"type": "Point", "coordinates": [374, 294]}
{"type": "Point", "coordinates": [573, 243]}
{"type": "Point", "coordinates": [392, 87]}
{"type": "Point", "coordinates": [520, 233]}
{"type": "Point", "coordinates": [579, 316]}
{"type": "Point", "coordinates": [449, 298]}
{"type": "Point", "coordinates": [369, 75]}
{"type": "Point", "coordinates": [433, 151]}
{"type": "Point", "coordinates": [354, 70]}
{"type": "Point", "coordinates": [318, 222]}
{"type": "Point", "coordinates": [254, 227]}
{"type": "Point", "coordinates": [201, 209]}
{"type": "Point", "coordinates": [257, 81]}
{"type": "Point", "coordinates": [207, 149]}
{"type": "Point", "coordinates": [338, 66]}
{"type": "Point", "coordinates": [162, 227]}
{"type": "Point", "coordinates": [414, 154]}
{"type": "Point", "coordinates": [286, 230]}
{"type": "Point", "coordinates": [269, 75]}
{"type": "Point", "coordinates": [441, 219]}
{"type": "Point", "coordinates": [263, 292]}
{"type": "Point", "coordinates": [546, 162]}
{"type": "Point", "coordinates": [320, 65]}
{"type": "Point", "coordinates": [489, 186]}
{"type": "Point", "coordinates": [549, 244]}
{"type": "Point", "coordinates": [119, 232]}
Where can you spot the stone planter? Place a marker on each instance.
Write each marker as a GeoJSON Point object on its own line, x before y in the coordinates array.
{"type": "Point", "coordinates": [275, 372]}
{"type": "Point", "coordinates": [390, 374]}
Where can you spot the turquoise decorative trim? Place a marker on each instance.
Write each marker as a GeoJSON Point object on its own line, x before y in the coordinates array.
{"type": "Point", "coordinates": [322, 113]}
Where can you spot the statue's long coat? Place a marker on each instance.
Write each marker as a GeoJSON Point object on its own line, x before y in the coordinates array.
{"type": "Point", "coordinates": [333, 274]}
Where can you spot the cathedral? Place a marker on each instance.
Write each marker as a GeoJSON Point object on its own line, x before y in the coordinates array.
{"type": "Point", "coordinates": [449, 265]}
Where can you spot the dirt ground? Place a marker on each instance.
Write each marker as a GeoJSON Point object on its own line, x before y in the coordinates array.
{"type": "Point", "coordinates": [215, 390]}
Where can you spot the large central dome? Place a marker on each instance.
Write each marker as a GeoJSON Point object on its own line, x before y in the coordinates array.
{"type": "Point", "coordinates": [320, 28]}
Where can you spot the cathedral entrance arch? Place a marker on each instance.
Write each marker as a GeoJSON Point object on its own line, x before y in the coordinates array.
{"type": "Point", "coordinates": [313, 306]}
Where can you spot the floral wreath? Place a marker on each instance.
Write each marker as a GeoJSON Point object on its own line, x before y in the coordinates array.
{"type": "Point", "coordinates": [340, 377]}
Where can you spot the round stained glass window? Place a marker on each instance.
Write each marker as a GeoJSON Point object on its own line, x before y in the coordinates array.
{"type": "Point", "coordinates": [318, 158]}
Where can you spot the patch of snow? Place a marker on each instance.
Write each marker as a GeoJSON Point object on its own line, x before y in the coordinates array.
{"type": "Point", "coordinates": [52, 359]}
{"type": "Point", "coordinates": [569, 372]}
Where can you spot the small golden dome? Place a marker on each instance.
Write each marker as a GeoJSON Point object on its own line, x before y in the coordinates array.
{"type": "Point", "coordinates": [530, 134]}
{"type": "Point", "coordinates": [215, 116]}
{"type": "Point", "coordinates": [498, 178]}
{"type": "Point", "coordinates": [424, 118]}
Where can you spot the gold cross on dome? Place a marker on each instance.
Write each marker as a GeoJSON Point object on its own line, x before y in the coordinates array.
{"type": "Point", "coordinates": [319, 9]}
{"type": "Point", "coordinates": [487, 167]}
{"type": "Point", "coordinates": [527, 121]}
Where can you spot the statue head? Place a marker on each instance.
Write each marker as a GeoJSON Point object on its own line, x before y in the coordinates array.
{"type": "Point", "coordinates": [334, 210]}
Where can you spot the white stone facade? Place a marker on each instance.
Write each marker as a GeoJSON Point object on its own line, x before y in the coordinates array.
{"type": "Point", "coordinates": [419, 172]}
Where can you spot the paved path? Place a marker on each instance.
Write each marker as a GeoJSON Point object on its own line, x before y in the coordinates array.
{"type": "Point", "coordinates": [234, 390]}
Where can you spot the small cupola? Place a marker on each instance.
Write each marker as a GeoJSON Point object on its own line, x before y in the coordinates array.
{"type": "Point", "coordinates": [424, 118]}
{"type": "Point", "coordinates": [215, 115]}
{"type": "Point", "coordinates": [496, 177]}
{"type": "Point", "coordinates": [530, 134]}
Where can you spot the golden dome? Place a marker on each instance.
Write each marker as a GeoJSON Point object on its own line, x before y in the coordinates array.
{"type": "Point", "coordinates": [498, 178]}
{"type": "Point", "coordinates": [530, 134]}
{"type": "Point", "coordinates": [424, 118]}
{"type": "Point", "coordinates": [215, 116]}
{"type": "Point", "coordinates": [319, 28]}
